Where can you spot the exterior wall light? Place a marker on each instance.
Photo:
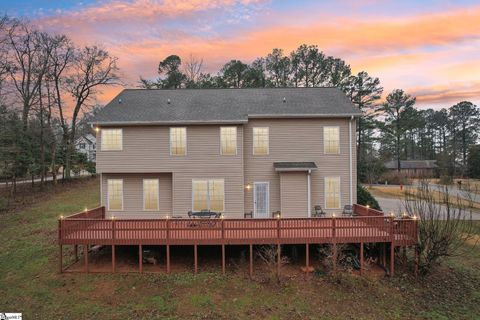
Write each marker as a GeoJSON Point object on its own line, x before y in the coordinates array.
{"type": "Point", "coordinates": [248, 186]}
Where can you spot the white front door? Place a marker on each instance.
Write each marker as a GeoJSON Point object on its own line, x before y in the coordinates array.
{"type": "Point", "coordinates": [260, 200]}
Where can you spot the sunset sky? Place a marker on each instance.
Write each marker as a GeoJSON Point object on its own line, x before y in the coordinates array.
{"type": "Point", "coordinates": [431, 49]}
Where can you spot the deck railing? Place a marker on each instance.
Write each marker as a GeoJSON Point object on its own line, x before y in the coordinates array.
{"type": "Point", "coordinates": [95, 229]}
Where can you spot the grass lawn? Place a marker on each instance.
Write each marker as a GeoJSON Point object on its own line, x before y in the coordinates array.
{"type": "Point", "coordinates": [30, 283]}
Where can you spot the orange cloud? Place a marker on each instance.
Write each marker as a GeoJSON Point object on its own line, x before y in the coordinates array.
{"type": "Point", "coordinates": [452, 93]}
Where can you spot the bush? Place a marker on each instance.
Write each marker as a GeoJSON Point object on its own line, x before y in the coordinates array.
{"type": "Point", "coordinates": [446, 180]}
{"type": "Point", "coordinates": [396, 178]}
{"type": "Point", "coordinates": [365, 198]}
{"type": "Point", "coordinates": [444, 227]}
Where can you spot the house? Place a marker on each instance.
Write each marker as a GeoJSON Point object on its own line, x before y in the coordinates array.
{"type": "Point", "coordinates": [413, 168]}
{"type": "Point", "coordinates": [87, 145]}
{"type": "Point", "coordinates": [263, 161]}
{"type": "Point", "coordinates": [234, 151]}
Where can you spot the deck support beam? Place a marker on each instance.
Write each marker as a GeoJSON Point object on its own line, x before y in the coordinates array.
{"type": "Point", "coordinates": [195, 258]}
{"type": "Point", "coordinates": [417, 256]}
{"type": "Point", "coordinates": [251, 261]}
{"type": "Point", "coordinates": [113, 258]}
{"type": "Point", "coordinates": [361, 258]}
{"type": "Point", "coordinates": [140, 258]}
{"type": "Point", "coordinates": [307, 257]}
{"type": "Point", "coordinates": [61, 259]}
{"type": "Point", "coordinates": [85, 256]}
{"type": "Point", "coordinates": [75, 251]}
{"type": "Point", "coordinates": [168, 258]}
{"type": "Point", "coordinates": [334, 259]}
{"type": "Point", "coordinates": [279, 259]}
{"type": "Point", "coordinates": [392, 259]}
{"type": "Point", "coordinates": [223, 259]}
{"type": "Point", "coordinates": [384, 255]}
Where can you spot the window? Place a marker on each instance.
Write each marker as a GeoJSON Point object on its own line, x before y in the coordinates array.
{"type": "Point", "coordinates": [150, 194]}
{"type": "Point", "coordinates": [82, 145]}
{"type": "Point", "coordinates": [332, 192]}
{"type": "Point", "coordinates": [111, 139]}
{"type": "Point", "coordinates": [260, 141]}
{"type": "Point", "coordinates": [115, 194]}
{"type": "Point", "coordinates": [178, 141]}
{"type": "Point", "coordinates": [228, 141]}
{"type": "Point", "coordinates": [331, 140]}
{"type": "Point", "coordinates": [208, 195]}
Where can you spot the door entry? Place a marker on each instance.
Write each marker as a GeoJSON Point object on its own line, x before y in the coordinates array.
{"type": "Point", "coordinates": [260, 199]}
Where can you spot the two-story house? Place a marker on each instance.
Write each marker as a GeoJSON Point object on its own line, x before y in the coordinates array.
{"type": "Point", "coordinates": [87, 145]}
{"type": "Point", "coordinates": [163, 153]}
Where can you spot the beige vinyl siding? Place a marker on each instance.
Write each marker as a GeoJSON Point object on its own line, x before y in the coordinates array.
{"type": "Point", "coordinates": [300, 140]}
{"type": "Point", "coordinates": [293, 194]}
{"type": "Point", "coordinates": [133, 195]}
{"type": "Point", "coordinates": [146, 150]}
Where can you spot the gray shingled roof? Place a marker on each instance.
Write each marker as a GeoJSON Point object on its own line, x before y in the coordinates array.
{"type": "Point", "coordinates": [293, 166]}
{"type": "Point", "coordinates": [412, 164]}
{"type": "Point", "coordinates": [133, 106]}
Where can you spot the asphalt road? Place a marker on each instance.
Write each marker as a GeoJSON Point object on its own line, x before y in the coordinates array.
{"type": "Point", "coordinates": [397, 206]}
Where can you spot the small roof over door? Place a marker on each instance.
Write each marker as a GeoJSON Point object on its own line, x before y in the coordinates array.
{"type": "Point", "coordinates": [294, 166]}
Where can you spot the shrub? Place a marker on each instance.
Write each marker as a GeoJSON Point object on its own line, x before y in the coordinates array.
{"type": "Point", "coordinates": [365, 198]}
{"type": "Point", "coordinates": [446, 180]}
{"type": "Point", "coordinates": [444, 226]}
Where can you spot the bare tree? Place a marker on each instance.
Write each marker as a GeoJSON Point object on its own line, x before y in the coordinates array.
{"type": "Point", "coordinates": [193, 69]}
{"type": "Point", "coordinates": [445, 224]}
{"type": "Point", "coordinates": [26, 64]}
{"type": "Point", "coordinates": [92, 69]}
{"type": "Point", "coordinates": [61, 59]}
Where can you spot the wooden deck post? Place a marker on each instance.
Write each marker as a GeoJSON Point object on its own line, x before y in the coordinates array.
{"type": "Point", "coordinates": [361, 258]}
{"type": "Point", "coordinates": [279, 258]}
{"type": "Point", "coordinates": [334, 235]}
{"type": "Point", "coordinates": [334, 258]}
{"type": "Point", "coordinates": [384, 255]}
{"type": "Point", "coordinates": [251, 262]}
{"type": "Point", "coordinates": [168, 258]}
{"type": "Point", "coordinates": [75, 251]}
{"type": "Point", "coordinates": [113, 258]}
{"type": "Point", "coordinates": [195, 257]}
{"type": "Point", "coordinates": [307, 257]}
{"type": "Point", "coordinates": [392, 259]}
{"type": "Point", "coordinates": [417, 256]}
{"type": "Point", "coordinates": [85, 256]}
{"type": "Point", "coordinates": [140, 258]}
{"type": "Point", "coordinates": [223, 259]}
{"type": "Point", "coordinates": [61, 259]}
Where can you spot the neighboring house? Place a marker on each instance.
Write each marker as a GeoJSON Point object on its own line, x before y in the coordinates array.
{"type": "Point", "coordinates": [87, 145]}
{"type": "Point", "coordinates": [413, 168]}
{"type": "Point", "coordinates": [166, 152]}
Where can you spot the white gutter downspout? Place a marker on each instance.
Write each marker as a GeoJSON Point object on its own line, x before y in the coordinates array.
{"type": "Point", "coordinates": [309, 200]}
{"type": "Point", "coordinates": [350, 158]}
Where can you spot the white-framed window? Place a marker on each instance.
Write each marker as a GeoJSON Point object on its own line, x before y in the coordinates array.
{"type": "Point", "coordinates": [150, 195]}
{"type": "Point", "coordinates": [115, 194]}
{"type": "Point", "coordinates": [208, 194]}
{"type": "Point", "coordinates": [178, 141]}
{"type": "Point", "coordinates": [331, 140]}
{"type": "Point", "coordinates": [332, 192]}
{"type": "Point", "coordinates": [228, 141]}
{"type": "Point", "coordinates": [260, 141]}
{"type": "Point", "coordinates": [112, 139]}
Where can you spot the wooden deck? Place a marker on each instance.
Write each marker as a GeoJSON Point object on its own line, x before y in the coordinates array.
{"type": "Point", "coordinates": [366, 226]}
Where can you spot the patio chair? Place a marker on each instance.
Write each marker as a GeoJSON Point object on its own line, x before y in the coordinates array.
{"type": "Point", "coordinates": [347, 210]}
{"type": "Point", "coordinates": [318, 211]}
{"type": "Point", "coordinates": [248, 215]}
